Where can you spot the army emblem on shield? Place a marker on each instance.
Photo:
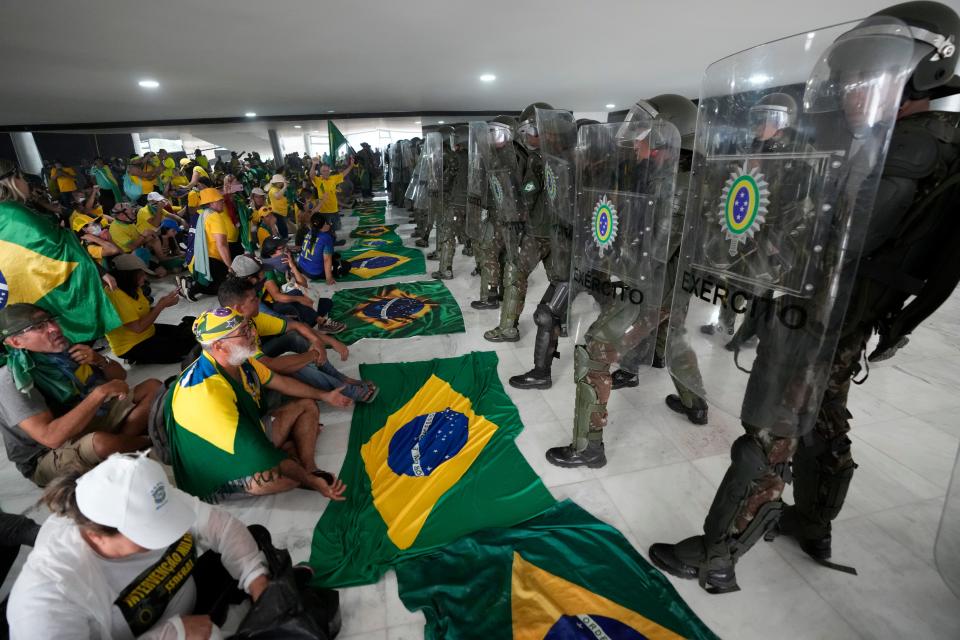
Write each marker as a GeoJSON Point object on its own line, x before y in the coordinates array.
{"type": "Point", "coordinates": [743, 206]}
{"type": "Point", "coordinates": [550, 182]}
{"type": "Point", "coordinates": [605, 224]}
{"type": "Point", "coordinates": [497, 191]}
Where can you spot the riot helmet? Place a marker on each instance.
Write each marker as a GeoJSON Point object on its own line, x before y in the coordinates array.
{"type": "Point", "coordinates": [447, 134]}
{"type": "Point", "coordinates": [772, 113]}
{"type": "Point", "coordinates": [502, 130]}
{"type": "Point", "coordinates": [673, 108]}
{"type": "Point", "coordinates": [527, 130]}
{"type": "Point", "coordinates": [851, 76]}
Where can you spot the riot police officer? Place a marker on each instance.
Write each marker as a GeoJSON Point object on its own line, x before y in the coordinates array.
{"type": "Point", "coordinates": [625, 192]}
{"type": "Point", "coordinates": [500, 158]}
{"type": "Point", "coordinates": [527, 240]}
{"type": "Point", "coordinates": [876, 235]}
{"type": "Point", "coordinates": [450, 214]}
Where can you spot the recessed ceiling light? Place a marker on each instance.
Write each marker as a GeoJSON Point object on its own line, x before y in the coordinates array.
{"type": "Point", "coordinates": [611, 106]}
{"type": "Point", "coordinates": [314, 131]}
{"type": "Point", "coordinates": [296, 126]}
{"type": "Point", "coordinates": [417, 122]}
{"type": "Point", "coordinates": [330, 111]}
{"type": "Point", "coordinates": [250, 114]}
{"type": "Point", "coordinates": [149, 84]}
{"type": "Point", "coordinates": [441, 121]}
{"type": "Point", "coordinates": [488, 77]}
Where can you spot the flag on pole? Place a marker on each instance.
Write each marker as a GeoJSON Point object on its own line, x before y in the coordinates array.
{"type": "Point", "coordinates": [339, 147]}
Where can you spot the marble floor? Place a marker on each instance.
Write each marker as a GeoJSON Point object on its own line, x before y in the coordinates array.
{"type": "Point", "coordinates": [661, 477]}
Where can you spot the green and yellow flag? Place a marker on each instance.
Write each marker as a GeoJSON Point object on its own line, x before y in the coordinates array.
{"type": "Point", "coordinates": [563, 575]}
{"type": "Point", "coordinates": [339, 147]}
{"type": "Point", "coordinates": [374, 231]}
{"type": "Point", "coordinates": [45, 264]}
{"type": "Point", "coordinates": [384, 262]}
{"type": "Point", "coordinates": [432, 459]}
{"type": "Point", "coordinates": [397, 311]}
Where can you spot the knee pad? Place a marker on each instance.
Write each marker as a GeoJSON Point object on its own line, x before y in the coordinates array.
{"type": "Point", "coordinates": [543, 317]}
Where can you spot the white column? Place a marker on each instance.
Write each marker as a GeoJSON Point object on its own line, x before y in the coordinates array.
{"type": "Point", "coordinates": [28, 156]}
{"type": "Point", "coordinates": [137, 145]}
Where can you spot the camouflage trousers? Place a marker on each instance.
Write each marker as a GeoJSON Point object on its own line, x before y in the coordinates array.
{"type": "Point", "coordinates": [446, 236]}
{"type": "Point", "coordinates": [822, 465]}
{"type": "Point", "coordinates": [520, 263]}
{"type": "Point", "coordinates": [490, 259]}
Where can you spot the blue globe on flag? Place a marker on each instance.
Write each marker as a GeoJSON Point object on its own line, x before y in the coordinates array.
{"type": "Point", "coordinates": [426, 442]}
{"type": "Point", "coordinates": [584, 627]}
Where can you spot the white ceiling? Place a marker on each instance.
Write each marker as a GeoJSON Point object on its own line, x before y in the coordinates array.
{"type": "Point", "coordinates": [79, 62]}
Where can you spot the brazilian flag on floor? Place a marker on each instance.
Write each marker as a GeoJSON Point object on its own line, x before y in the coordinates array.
{"type": "Point", "coordinates": [385, 262]}
{"type": "Point", "coordinates": [397, 311]}
{"type": "Point", "coordinates": [376, 235]}
{"type": "Point", "coordinates": [432, 459]}
{"type": "Point", "coordinates": [45, 264]}
{"type": "Point", "coordinates": [562, 575]}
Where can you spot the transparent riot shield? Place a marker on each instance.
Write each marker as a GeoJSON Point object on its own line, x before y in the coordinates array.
{"type": "Point", "coordinates": [477, 146]}
{"type": "Point", "coordinates": [621, 231]}
{"type": "Point", "coordinates": [408, 158]}
{"type": "Point", "coordinates": [432, 162]}
{"type": "Point", "coordinates": [415, 190]}
{"type": "Point", "coordinates": [776, 215]}
{"type": "Point", "coordinates": [557, 131]}
{"type": "Point", "coordinates": [947, 549]}
{"type": "Point", "coordinates": [395, 162]}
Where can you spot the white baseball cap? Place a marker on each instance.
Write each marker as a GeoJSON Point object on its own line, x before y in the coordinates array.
{"type": "Point", "coordinates": [131, 493]}
{"type": "Point", "coordinates": [244, 266]}
{"type": "Point", "coordinates": [153, 196]}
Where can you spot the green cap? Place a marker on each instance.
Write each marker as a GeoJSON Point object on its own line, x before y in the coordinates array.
{"type": "Point", "coordinates": [15, 318]}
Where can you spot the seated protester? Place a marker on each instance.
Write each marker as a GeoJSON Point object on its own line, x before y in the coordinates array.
{"type": "Point", "coordinates": [124, 234]}
{"type": "Point", "coordinates": [278, 336]}
{"type": "Point", "coordinates": [133, 179]}
{"type": "Point", "coordinates": [95, 238]}
{"type": "Point", "coordinates": [278, 287]}
{"type": "Point", "coordinates": [304, 215]}
{"type": "Point", "coordinates": [209, 257]}
{"type": "Point", "coordinates": [264, 225]}
{"type": "Point", "coordinates": [223, 440]}
{"type": "Point", "coordinates": [317, 258]}
{"type": "Point", "coordinates": [63, 404]}
{"type": "Point", "coordinates": [150, 219]}
{"type": "Point", "coordinates": [124, 554]}
{"type": "Point", "coordinates": [140, 339]}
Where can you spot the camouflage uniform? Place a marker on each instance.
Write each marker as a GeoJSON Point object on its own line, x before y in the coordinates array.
{"type": "Point", "coordinates": [453, 213]}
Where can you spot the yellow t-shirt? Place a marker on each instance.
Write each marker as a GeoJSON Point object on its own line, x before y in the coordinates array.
{"type": "Point", "coordinates": [123, 339]}
{"type": "Point", "coordinates": [214, 225]}
{"type": "Point", "coordinates": [124, 235]}
{"type": "Point", "coordinates": [278, 201]}
{"type": "Point", "coordinates": [147, 184]}
{"type": "Point", "coordinates": [193, 198]}
{"type": "Point", "coordinates": [267, 326]}
{"type": "Point", "coordinates": [327, 192]}
{"type": "Point", "coordinates": [143, 220]}
{"type": "Point", "coordinates": [233, 231]}
{"type": "Point", "coordinates": [203, 172]}
{"type": "Point", "coordinates": [66, 179]}
{"type": "Point", "coordinates": [96, 252]}
{"type": "Point", "coordinates": [179, 181]}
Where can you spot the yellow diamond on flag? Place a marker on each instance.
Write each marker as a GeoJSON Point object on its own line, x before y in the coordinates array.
{"type": "Point", "coordinates": [422, 451]}
{"type": "Point", "coordinates": [372, 263]}
{"type": "Point", "coordinates": [544, 605]}
{"type": "Point", "coordinates": [30, 275]}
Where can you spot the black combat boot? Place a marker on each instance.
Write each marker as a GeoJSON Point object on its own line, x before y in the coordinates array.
{"type": "Point", "coordinates": [489, 303]}
{"type": "Point", "coordinates": [433, 255]}
{"type": "Point", "coordinates": [443, 274]}
{"type": "Point", "coordinates": [622, 379]}
{"type": "Point", "coordinates": [688, 560]}
{"type": "Point", "coordinates": [533, 379]}
{"type": "Point", "coordinates": [568, 457]}
{"type": "Point", "coordinates": [697, 414]}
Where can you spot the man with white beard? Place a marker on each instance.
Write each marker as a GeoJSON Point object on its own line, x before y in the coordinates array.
{"type": "Point", "coordinates": [223, 440]}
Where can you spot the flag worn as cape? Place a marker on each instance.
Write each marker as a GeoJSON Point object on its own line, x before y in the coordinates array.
{"type": "Point", "coordinates": [45, 264]}
{"type": "Point", "coordinates": [397, 311]}
{"type": "Point", "coordinates": [385, 262]}
{"type": "Point", "coordinates": [562, 575]}
{"type": "Point", "coordinates": [432, 459]}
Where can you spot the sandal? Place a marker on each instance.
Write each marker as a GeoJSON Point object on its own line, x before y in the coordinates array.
{"type": "Point", "coordinates": [372, 392]}
{"type": "Point", "coordinates": [326, 476]}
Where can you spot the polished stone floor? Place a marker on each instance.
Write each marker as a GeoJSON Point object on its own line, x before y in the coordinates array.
{"type": "Point", "coordinates": [661, 477]}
